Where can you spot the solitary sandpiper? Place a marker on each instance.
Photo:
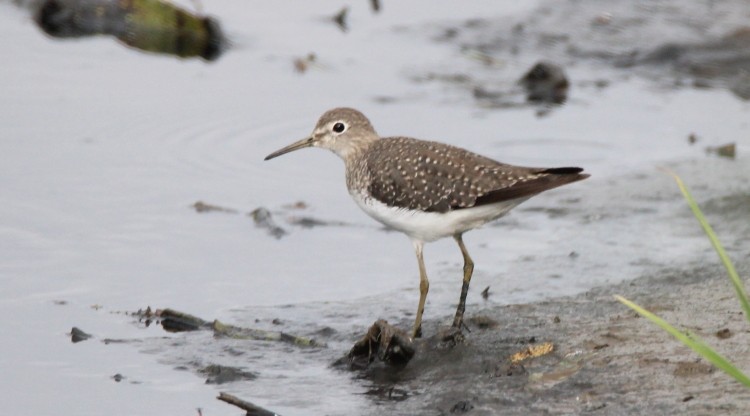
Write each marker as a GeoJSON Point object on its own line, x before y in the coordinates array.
{"type": "Point", "coordinates": [425, 189]}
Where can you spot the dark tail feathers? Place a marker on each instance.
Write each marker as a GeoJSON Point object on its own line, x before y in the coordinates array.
{"type": "Point", "coordinates": [562, 171]}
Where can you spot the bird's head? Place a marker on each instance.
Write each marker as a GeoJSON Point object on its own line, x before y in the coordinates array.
{"type": "Point", "coordinates": [343, 131]}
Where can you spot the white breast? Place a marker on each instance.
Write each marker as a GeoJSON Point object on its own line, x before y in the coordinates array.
{"type": "Point", "coordinates": [431, 226]}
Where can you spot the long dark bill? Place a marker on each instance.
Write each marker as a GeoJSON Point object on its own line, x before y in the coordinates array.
{"type": "Point", "coordinates": [306, 142]}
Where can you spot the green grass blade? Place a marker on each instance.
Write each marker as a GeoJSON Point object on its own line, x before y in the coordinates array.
{"type": "Point", "coordinates": [733, 276]}
{"type": "Point", "coordinates": [691, 341]}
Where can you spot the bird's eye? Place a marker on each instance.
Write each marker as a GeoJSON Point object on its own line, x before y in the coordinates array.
{"type": "Point", "coordinates": [339, 127]}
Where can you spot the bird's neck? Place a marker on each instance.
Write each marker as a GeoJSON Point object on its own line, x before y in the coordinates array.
{"type": "Point", "coordinates": [354, 149]}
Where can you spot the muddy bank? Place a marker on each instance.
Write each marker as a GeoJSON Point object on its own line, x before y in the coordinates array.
{"type": "Point", "coordinates": [701, 45]}
{"type": "Point", "coordinates": [606, 360]}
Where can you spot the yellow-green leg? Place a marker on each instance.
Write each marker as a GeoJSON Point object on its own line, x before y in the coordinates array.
{"type": "Point", "coordinates": [468, 270]}
{"type": "Point", "coordinates": [424, 286]}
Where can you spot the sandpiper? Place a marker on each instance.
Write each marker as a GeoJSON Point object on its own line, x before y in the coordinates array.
{"type": "Point", "coordinates": [427, 190]}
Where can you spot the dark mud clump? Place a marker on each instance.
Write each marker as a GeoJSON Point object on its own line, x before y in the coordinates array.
{"type": "Point", "coordinates": [546, 82]}
{"type": "Point", "coordinates": [77, 335]}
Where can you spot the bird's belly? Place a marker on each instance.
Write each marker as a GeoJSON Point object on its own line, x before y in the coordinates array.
{"type": "Point", "coordinates": [431, 226]}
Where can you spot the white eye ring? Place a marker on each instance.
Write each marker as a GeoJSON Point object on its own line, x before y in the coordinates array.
{"type": "Point", "coordinates": [339, 127]}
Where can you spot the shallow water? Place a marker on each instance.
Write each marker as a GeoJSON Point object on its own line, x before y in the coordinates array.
{"type": "Point", "coordinates": [104, 149]}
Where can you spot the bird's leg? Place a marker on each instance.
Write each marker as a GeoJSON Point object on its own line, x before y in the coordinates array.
{"type": "Point", "coordinates": [424, 286]}
{"type": "Point", "coordinates": [468, 270]}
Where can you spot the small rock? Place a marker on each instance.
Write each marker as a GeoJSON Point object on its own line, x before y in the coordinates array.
{"type": "Point", "coordinates": [77, 335]}
{"type": "Point", "coordinates": [462, 406]}
{"type": "Point", "coordinates": [546, 82]}
{"type": "Point", "coordinates": [724, 333]}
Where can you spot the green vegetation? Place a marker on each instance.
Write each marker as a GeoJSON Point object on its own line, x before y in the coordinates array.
{"type": "Point", "coordinates": [687, 338]}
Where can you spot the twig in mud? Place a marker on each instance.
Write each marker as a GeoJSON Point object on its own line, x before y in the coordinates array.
{"type": "Point", "coordinates": [201, 207]}
{"type": "Point", "coordinates": [250, 408]}
{"type": "Point", "coordinates": [230, 331]}
{"type": "Point", "coordinates": [176, 321]}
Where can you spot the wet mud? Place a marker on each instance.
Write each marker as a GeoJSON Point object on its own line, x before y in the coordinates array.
{"type": "Point", "coordinates": [700, 45]}
{"type": "Point", "coordinates": [606, 360]}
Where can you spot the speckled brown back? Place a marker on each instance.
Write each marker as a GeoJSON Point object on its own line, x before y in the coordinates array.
{"type": "Point", "coordinates": [435, 177]}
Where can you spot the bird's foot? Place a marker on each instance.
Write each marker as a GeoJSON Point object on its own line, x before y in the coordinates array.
{"type": "Point", "coordinates": [451, 337]}
{"type": "Point", "coordinates": [416, 332]}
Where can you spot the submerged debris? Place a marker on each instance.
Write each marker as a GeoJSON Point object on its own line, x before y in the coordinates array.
{"type": "Point", "coordinates": [728, 150]}
{"type": "Point", "coordinates": [545, 82]}
{"type": "Point", "coordinates": [236, 332]}
{"type": "Point", "coordinates": [483, 57]}
{"type": "Point", "coordinates": [389, 393]}
{"type": "Point", "coordinates": [77, 335]}
{"type": "Point", "coordinates": [150, 25]}
{"type": "Point", "coordinates": [375, 5]}
{"type": "Point", "coordinates": [176, 321]}
{"type": "Point", "coordinates": [310, 222]}
{"type": "Point", "coordinates": [263, 219]}
{"type": "Point", "coordinates": [201, 207]}
{"type": "Point", "coordinates": [340, 19]}
{"type": "Point", "coordinates": [220, 374]}
{"type": "Point", "coordinates": [486, 293]}
{"type": "Point", "coordinates": [301, 65]}
{"type": "Point", "coordinates": [250, 408]}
